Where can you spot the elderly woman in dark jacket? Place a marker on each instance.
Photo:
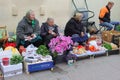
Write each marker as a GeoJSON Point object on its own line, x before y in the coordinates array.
{"type": "Point", "coordinates": [28, 30]}
{"type": "Point", "coordinates": [49, 30]}
{"type": "Point", "coordinates": [75, 29]}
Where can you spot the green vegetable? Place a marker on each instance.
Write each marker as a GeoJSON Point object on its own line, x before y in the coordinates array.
{"type": "Point", "coordinates": [118, 28]}
{"type": "Point", "coordinates": [107, 46]}
{"type": "Point", "coordinates": [16, 59]}
{"type": "Point", "coordinates": [42, 49]}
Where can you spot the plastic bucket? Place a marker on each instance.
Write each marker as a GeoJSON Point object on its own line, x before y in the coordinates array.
{"type": "Point", "coordinates": [5, 61]}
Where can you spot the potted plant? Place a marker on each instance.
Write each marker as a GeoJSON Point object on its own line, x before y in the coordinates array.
{"type": "Point", "coordinates": [58, 46]}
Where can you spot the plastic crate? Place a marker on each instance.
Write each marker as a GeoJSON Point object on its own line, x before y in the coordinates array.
{"type": "Point", "coordinates": [39, 66]}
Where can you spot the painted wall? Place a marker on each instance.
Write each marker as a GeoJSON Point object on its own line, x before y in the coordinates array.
{"type": "Point", "coordinates": [61, 10]}
{"type": "Point", "coordinates": [96, 5]}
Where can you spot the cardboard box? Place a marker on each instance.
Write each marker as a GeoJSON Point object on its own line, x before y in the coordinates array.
{"type": "Point", "coordinates": [109, 35]}
{"type": "Point", "coordinates": [11, 70]}
{"type": "Point", "coordinates": [7, 53]}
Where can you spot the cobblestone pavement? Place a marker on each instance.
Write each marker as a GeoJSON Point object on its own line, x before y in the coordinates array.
{"type": "Point", "coordinates": [100, 68]}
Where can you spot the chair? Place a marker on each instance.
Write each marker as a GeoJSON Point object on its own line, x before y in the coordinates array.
{"type": "Point", "coordinates": [3, 34]}
{"type": "Point", "coordinates": [87, 14]}
{"type": "Point", "coordinates": [102, 27]}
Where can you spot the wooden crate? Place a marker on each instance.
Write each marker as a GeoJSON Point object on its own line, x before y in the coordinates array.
{"type": "Point", "coordinates": [116, 40]}
{"type": "Point", "coordinates": [38, 66]}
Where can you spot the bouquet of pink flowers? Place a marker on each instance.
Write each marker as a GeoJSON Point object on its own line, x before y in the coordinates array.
{"type": "Point", "coordinates": [60, 44]}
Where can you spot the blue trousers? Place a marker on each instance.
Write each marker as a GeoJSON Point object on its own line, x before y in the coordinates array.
{"type": "Point", "coordinates": [79, 39]}
{"type": "Point", "coordinates": [110, 25]}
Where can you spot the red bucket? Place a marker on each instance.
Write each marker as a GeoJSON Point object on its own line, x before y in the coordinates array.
{"type": "Point", "coordinates": [5, 61]}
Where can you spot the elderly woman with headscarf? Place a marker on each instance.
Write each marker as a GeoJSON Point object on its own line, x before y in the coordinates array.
{"type": "Point", "coordinates": [75, 29]}
{"type": "Point", "coordinates": [49, 30]}
{"type": "Point", "coordinates": [28, 30]}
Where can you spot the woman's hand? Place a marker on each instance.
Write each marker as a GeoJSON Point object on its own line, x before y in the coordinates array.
{"type": "Point", "coordinates": [82, 34]}
{"type": "Point", "coordinates": [55, 34]}
{"type": "Point", "coordinates": [50, 31]}
{"type": "Point", "coordinates": [33, 35]}
{"type": "Point", "coordinates": [29, 38]}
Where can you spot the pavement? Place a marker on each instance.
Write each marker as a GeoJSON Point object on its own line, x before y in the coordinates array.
{"type": "Point", "coordinates": [100, 68]}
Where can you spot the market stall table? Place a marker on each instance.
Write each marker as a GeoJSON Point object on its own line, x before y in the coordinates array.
{"type": "Point", "coordinates": [89, 53]}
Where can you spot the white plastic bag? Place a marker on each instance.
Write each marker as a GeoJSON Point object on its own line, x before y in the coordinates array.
{"type": "Point", "coordinates": [31, 49]}
{"type": "Point", "coordinates": [93, 43]}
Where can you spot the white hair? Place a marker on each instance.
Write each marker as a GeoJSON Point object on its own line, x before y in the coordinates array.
{"type": "Point", "coordinates": [49, 19]}
{"type": "Point", "coordinates": [29, 12]}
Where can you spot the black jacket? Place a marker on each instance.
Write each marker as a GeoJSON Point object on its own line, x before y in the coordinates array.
{"type": "Point", "coordinates": [45, 28]}
{"type": "Point", "coordinates": [73, 27]}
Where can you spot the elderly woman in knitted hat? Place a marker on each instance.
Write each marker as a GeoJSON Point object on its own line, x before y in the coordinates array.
{"type": "Point", "coordinates": [28, 30]}
{"type": "Point", "coordinates": [75, 29]}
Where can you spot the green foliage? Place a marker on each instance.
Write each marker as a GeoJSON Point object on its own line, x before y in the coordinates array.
{"type": "Point", "coordinates": [42, 49]}
{"type": "Point", "coordinates": [16, 59]}
{"type": "Point", "coordinates": [107, 46]}
{"type": "Point", "coordinates": [118, 28]}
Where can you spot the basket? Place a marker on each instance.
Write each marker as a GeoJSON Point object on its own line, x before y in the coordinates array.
{"type": "Point", "coordinates": [110, 35]}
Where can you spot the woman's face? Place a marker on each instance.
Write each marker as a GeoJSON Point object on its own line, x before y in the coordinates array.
{"type": "Point", "coordinates": [79, 17]}
{"type": "Point", "coordinates": [32, 16]}
{"type": "Point", "coordinates": [51, 22]}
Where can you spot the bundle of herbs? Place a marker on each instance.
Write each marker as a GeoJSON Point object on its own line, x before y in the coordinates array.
{"type": "Point", "coordinates": [16, 59]}
{"type": "Point", "coordinates": [42, 49]}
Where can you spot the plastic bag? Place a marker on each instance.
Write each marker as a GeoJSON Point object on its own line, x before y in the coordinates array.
{"type": "Point", "coordinates": [31, 49]}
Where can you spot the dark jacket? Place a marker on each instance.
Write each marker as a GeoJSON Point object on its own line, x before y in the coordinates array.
{"type": "Point", "coordinates": [73, 27]}
{"type": "Point", "coordinates": [25, 28]}
{"type": "Point", "coordinates": [45, 28]}
{"type": "Point", "coordinates": [105, 14]}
